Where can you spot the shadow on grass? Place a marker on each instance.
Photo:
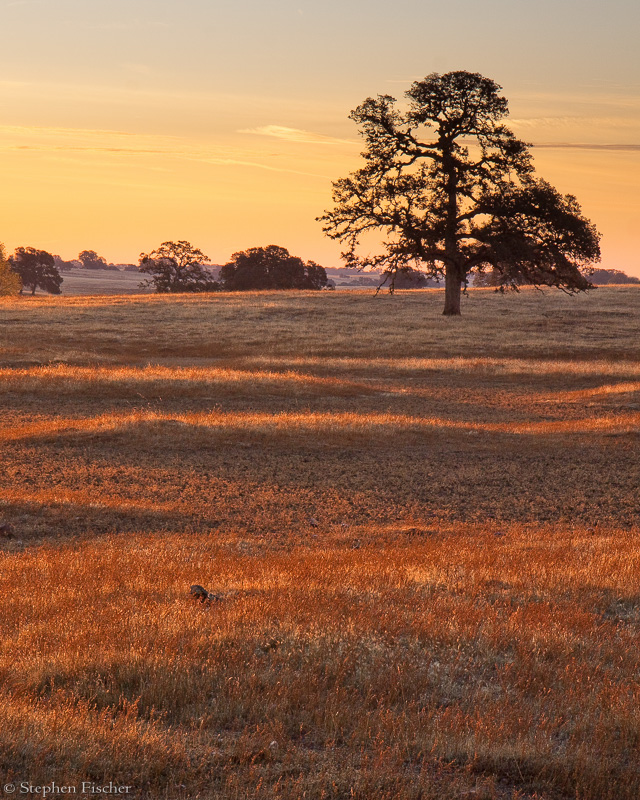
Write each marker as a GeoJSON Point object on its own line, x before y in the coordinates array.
{"type": "Point", "coordinates": [35, 522]}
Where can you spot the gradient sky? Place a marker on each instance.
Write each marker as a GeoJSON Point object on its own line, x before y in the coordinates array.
{"type": "Point", "coordinates": [124, 123]}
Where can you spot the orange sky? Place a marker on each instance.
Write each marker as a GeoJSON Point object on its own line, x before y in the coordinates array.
{"type": "Point", "coordinates": [134, 122]}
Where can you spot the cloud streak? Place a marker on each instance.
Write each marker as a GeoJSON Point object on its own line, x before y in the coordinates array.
{"type": "Point", "coordinates": [41, 130]}
{"type": "Point", "coordinates": [71, 149]}
{"type": "Point", "coordinates": [567, 121]}
{"type": "Point", "coordinates": [620, 148]}
{"type": "Point", "coordinates": [79, 141]}
{"type": "Point", "coordinates": [295, 135]}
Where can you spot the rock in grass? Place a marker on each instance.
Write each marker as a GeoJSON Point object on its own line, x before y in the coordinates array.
{"type": "Point", "coordinates": [199, 593]}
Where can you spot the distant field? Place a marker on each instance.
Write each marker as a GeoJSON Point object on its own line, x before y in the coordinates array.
{"type": "Point", "coordinates": [101, 281]}
{"type": "Point", "coordinates": [84, 282]}
{"type": "Point", "coordinates": [424, 532]}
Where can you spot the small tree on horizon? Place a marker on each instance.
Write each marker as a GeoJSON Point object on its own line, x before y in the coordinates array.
{"type": "Point", "coordinates": [91, 260]}
{"type": "Point", "coordinates": [452, 191]}
{"type": "Point", "coordinates": [406, 278]}
{"type": "Point", "coordinates": [37, 270]}
{"type": "Point", "coordinates": [271, 267]}
{"type": "Point", "coordinates": [10, 283]}
{"type": "Point", "coordinates": [62, 265]}
{"type": "Point", "coordinates": [177, 267]}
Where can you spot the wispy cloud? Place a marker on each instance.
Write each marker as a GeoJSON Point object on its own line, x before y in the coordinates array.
{"type": "Point", "coordinates": [295, 135]}
{"type": "Point", "coordinates": [633, 148]}
{"type": "Point", "coordinates": [548, 122]}
{"type": "Point", "coordinates": [234, 162]}
{"type": "Point", "coordinates": [43, 130]}
{"type": "Point", "coordinates": [567, 121]}
{"type": "Point", "coordinates": [81, 140]}
{"type": "Point", "coordinates": [78, 141]}
{"type": "Point", "coordinates": [72, 149]}
{"type": "Point", "coordinates": [137, 68]}
{"type": "Point", "coordinates": [140, 24]}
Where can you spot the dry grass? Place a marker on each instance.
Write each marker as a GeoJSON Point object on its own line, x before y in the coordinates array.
{"type": "Point", "coordinates": [424, 531]}
{"type": "Point", "coordinates": [143, 329]}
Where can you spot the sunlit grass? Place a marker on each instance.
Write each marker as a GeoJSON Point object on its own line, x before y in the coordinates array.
{"type": "Point", "coordinates": [477, 366]}
{"type": "Point", "coordinates": [513, 655]}
{"type": "Point", "coordinates": [198, 427]}
{"type": "Point", "coordinates": [62, 378]}
{"type": "Point", "coordinates": [423, 533]}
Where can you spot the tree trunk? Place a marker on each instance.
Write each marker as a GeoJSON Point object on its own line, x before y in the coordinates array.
{"type": "Point", "coordinates": [452, 291]}
{"type": "Point", "coordinates": [452, 282]}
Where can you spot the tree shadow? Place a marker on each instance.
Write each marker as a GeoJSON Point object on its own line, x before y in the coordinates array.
{"type": "Point", "coordinates": [34, 522]}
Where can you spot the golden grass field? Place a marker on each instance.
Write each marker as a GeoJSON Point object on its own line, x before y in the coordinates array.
{"type": "Point", "coordinates": [424, 530]}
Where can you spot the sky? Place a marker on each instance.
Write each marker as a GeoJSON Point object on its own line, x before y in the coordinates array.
{"type": "Point", "coordinates": [126, 123]}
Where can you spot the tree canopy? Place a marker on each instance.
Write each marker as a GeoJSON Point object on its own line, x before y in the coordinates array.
{"type": "Point", "coordinates": [37, 270]}
{"type": "Point", "coordinates": [271, 267]}
{"type": "Point", "coordinates": [407, 278]}
{"type": "Point", "coordinates": [10, 282]}
{"type": "Point", "coordinates": [451, 190]}
{"type": "Point", "coordinates": [177, 267]}
{"type": "Point", "coordinates": [91, 260]}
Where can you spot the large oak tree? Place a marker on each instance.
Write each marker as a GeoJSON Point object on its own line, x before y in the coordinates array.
{"type": "Point", "coordinates": [452, 191]}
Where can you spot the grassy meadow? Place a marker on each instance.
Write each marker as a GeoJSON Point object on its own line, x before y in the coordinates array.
{"type": "Point", "coordinates": [423, 532]}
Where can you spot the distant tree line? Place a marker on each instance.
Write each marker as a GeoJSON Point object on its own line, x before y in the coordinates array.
{"type": "Point", "coordinates": [173, 267]}
{"type": "Point", "coordinates": [180, 267]}
{"type": "Point", "coordinates": [598, 277]}
{"type": "Point", "coordinates": [29, 268]}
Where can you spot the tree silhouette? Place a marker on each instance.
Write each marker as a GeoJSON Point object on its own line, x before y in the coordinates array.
{"type": "Point", "coordinates": [407, 278]}
{"type": "Point", "coordinates": [271, 267]}
{"type": "Point", "coordinates": [177, 267]}
{"type": "Point", "coordinates": [452, 191]}
{"type": "Point", "coordinates": [36, 269]}
{"type": "Point", "coordinates": [91, 260]}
